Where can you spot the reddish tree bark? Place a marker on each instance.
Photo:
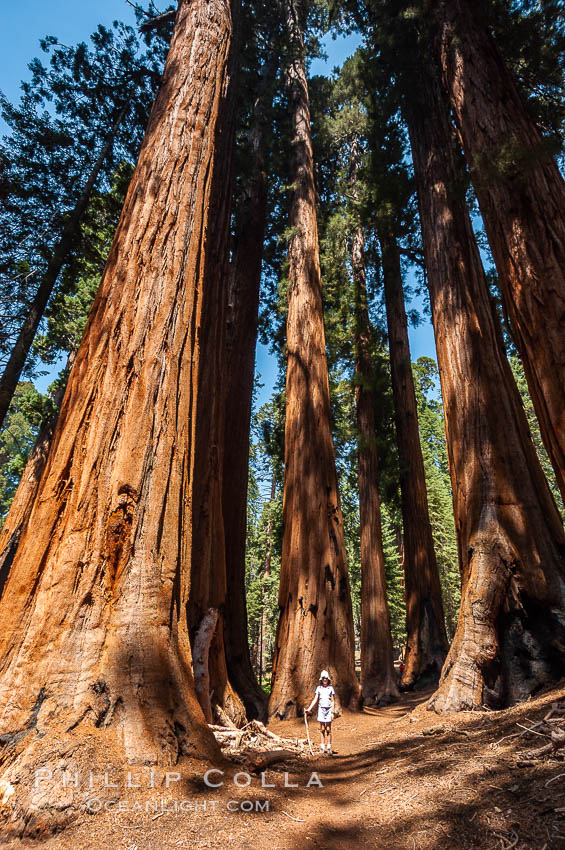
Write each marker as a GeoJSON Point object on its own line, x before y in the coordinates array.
{"type": "Point", "coordinates": [378, 676]}
{"type": "Point", "coordinates": [95, 648]}
{"type": "Point", "coordinates": [315, 629]}
{"type": "Point", "coordinates": [242, 322]}
{"type": "Point", "coordinates": [521, 195]}
{"type": "Point", "coordinates": [426, 636]}
{"type": "Point", "coordinates": [510, 635]}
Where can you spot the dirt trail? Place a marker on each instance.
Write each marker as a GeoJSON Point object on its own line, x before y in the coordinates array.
{"type": "Point", "coordinates": [402, 778]}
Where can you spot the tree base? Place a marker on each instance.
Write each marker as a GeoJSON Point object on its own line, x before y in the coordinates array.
{"type": "Point", "coordinates": [508, 646]}
{"type": "Point", "coordinates": [377, 693]}
{"type": "Point", "coordinates": [49, 780]}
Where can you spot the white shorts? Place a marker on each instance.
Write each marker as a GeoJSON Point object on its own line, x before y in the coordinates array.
{"type": "Point", "coordinates": [324, 714]}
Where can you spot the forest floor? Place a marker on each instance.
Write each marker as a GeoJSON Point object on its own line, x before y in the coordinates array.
{"type": "Point", "coordinates": [402, 777]}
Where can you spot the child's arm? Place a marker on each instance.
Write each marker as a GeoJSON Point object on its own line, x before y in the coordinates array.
{"type": "Point", "coordinates": [333, 706]}
{"type": "Point", "coordinates": [313, 703]}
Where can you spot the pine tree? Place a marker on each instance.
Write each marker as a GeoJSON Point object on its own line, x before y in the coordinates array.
{"type": "Point", "coordinates": [101, 97]}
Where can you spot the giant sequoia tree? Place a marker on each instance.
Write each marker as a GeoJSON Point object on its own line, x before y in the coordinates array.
{"type": "Point", "coordinates": [316, 623]}
{"type": "Point", "coordinates": [426, 638]}
{"type": "Point", "coordinates": [242, 324]}
{"type": "Point", "coordinates": [378, 676]}
{"type": "Point", "coordinates": [95, 623]}
{"type": "Point", "coordinates": [521, 195]}
{"type": "Point", "coordinates": [510, 636]}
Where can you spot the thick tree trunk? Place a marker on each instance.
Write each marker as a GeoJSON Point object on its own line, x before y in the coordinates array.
{"type": "Point", "coordinates": [208, 581]}
{"type": "Point", "coordinates": [20, 351]}
{"type": "Point", "coordinates": [95, 645]}
{"type": "Point", "coordinates": [315, 629]}
{"type": "Point", "coordinates": [510, 636]}
{"type": "Point", "coordinates": [245, 280]}
{"type": "Point", "coordinates": [378, 676]}
{"type": "Point", "coordinates": [521, 195]}
{"type": "Point", "coordinates": [426, 641]}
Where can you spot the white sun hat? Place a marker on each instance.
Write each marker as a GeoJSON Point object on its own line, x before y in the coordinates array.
{"type": "Point", "coordinates": [325, 675]}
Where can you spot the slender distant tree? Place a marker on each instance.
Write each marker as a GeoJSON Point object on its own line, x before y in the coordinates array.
{"type": "Point", "coordinates": [438, 486]}
{"type": "Point", "coordinates": [426, 637]}
{"type": "Point", "coordinates": [510, 635]}
{"type": "Point", "coordinates": [95, 614]}
{"type": "Point", "coordinates": [378, 676]}
{"type": "Point", "coordinates": [316, 622]}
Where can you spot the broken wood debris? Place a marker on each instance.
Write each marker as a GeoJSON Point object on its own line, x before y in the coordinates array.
{"type": "Point", "coordinates": [257, 743]}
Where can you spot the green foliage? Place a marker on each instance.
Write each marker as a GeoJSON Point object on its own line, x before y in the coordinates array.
{"type": "Point", "coordinates": [394, 576]}
{"type": "Point", "coordinates": [68, 111]}
{"type": "Point", "coordinates": [438, 484]}
{"type": "Point", "coordinates": [521, 383]}
{"type": "Point", "coordinates": [17, 437]}
{"type": "Point", "coordinates": [264, 531]}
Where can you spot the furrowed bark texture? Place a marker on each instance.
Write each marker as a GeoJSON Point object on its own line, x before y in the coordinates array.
{"type": "Point", "coordinates": [315, 629]}
{"type": "Point", "coordinates": [521, 195]}
{"type": "Point", "coordinates": [426, 636]}
{"type": "Point", "coordinates": [242, 322]}
{"type": "Point", "coordinates": [510, 638]}
{"type": "Point", "coordinates": [95, 627]}
{"type": "Point", "coordinates": [378, 676]}
{"type": "Point", "coordinates": [22, 346]}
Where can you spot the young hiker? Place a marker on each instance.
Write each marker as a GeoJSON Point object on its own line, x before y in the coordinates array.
{"type": "Point", "coordinates": [324, 696]}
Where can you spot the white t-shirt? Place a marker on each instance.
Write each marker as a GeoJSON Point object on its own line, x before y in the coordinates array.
{"type": "Point", "coordinates": [325, 696]}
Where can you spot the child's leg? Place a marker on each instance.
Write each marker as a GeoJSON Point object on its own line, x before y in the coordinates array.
{"type": "Point", "coordinates": [322, 738]}
{"type": "Point", "coordinates": [329, 733]}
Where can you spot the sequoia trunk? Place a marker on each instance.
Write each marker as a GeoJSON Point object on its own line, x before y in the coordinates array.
{"type": "Point", "coordinates": [378, 676]}
{"type": "Point", "coordinates": [245, 280]}
{"type": "Point", "coordinates": [521, 195]}
{"type": "Point", "coordinates": [95, 637]}
{"type": "Point", "coordinates": [315, 629]}
{"type": "Point", "coordinates": [511, 633]}
{"type": "Point", "coordinates": [426, 636]}
{"type": "Point", "coordinates": [20, 351]}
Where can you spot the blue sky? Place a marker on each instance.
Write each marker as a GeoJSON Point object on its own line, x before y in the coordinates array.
{"type": "Point", "coordinates": [25, 22]}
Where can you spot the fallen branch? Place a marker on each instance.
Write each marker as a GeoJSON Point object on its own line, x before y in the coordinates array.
{"type": "Point", "coordinates": [549, 781]}
{"type": "Point", "coordinates": [557, 743]}
{"type": "Point", "coordinates": [298, 820]}
{"type": "Point", "coordinates": [259, 763]}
